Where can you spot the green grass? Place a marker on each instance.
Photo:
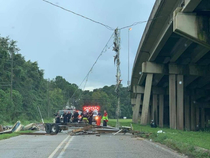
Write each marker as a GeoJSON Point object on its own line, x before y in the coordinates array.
{"type": "Point", "coordinates": [186, 142]}
{"type": "Point", "coordinates": [24, 123]}
{"type": "Point", "coordinates": [14, 134]}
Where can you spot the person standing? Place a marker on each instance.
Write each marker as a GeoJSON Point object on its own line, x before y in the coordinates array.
{"type": "Point", "coordinates": [98, 121]}
{"type": "Point", "coordinates": [65, 117]}
{"type": "Point", "coordinates": [85, 115]}
{"type": "Point", "coordinates": [75, 116]}
{"type": "Point", "coordinates": [57, 118]}
{"type": "Point", "coordinates": [68, 116]}
{"type": "Point", "coordinates": [90, 116]}
{"type": "Point", "coordinates": [105, 118]}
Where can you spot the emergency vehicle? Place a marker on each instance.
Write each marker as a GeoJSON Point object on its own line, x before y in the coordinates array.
{"type": "Point", "coordinates": [94, 108]}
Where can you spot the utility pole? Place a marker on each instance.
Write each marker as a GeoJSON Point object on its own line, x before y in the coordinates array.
{"type": "Point", "coordinates": [116, 48]}
{"type": "Point", "coordinates": [129, 57]}
{"type": "Point", "coordinates": [48, 100]}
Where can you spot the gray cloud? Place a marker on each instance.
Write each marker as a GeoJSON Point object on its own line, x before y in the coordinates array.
{"type": "Point", "coordinates": [68, 45]}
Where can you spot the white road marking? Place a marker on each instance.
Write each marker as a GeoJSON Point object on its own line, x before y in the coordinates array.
{"type": "Point", "coordinates": [59, 146]}
{"type": "Point", "coordinates": [64, 149]}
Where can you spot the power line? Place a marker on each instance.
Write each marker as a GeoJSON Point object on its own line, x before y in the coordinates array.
{"type": "Point", "coordinates": [140, 22]}
{"type": "Point", "coordinates": [86, 77]}
{"type": "Point", "coordinates": [108, 27]}
{"type": "Point", "coordinates": [97, 22]}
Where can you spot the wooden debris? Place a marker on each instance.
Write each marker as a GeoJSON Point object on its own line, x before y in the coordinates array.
{"type": "Point", "coordinates": [107, 130]}
{"type": "Point", "coordinates": [82, 129]}
{"type": "Point", "coordinates": [63, 127]}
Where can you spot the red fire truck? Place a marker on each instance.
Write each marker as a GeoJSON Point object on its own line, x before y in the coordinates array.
{"type": "Point", "coordinates": [94, 108]}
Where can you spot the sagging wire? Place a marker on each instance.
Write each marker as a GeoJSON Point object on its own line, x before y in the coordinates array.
{"type": "Point", "coordinates": [97, 22]}
{"type": "Point", "coordinates": [87, 76]}
{"type": "Point", "coordinates": [140, 22]}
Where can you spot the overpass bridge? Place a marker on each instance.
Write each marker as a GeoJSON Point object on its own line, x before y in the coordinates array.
{"type": "Point", "coordinates": [171, 73]}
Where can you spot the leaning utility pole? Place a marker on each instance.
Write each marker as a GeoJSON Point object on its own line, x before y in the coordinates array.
{"type": "Point", "coordinates": [116, 48]}
{"type": "Point", "coordinates": [48, 99]}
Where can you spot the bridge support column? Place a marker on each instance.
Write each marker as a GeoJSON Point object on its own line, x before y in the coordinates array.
{"type": "Point", "coordinates": [161, 109]}
{"type": "Point", "coordinates": [180, 102]}
{"type": "Point", "coordinates": [147, 93]}
{"type": "Point", "coordinates": [133, 103]}
{"type": "Point", "coordinates": [202, 118]}
{"type": "Point", "coordinates": [154, 107]}
{"type": "Point", "coordinates": [149, 115]}
{"type": "Point", "coordinates": [136, 108]}
{"type": "Point", "coordinates": [187, 113]}
{"type": "Point", "coordinates": [172, 101]}
{"type": "Point", "coordinates": [192, 110]}
{"type": "Point", "coordinates": [207, 118]}
{"type": "Point", "coordinates": [197, 111]}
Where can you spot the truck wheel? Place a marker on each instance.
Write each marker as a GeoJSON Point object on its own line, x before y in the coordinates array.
{"type": "Point", "coordinates": [54, 129]}
{"type": "Point", "coordinates": [48, 128]}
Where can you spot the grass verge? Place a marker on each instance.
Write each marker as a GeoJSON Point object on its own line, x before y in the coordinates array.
{"type": "Point", "coordinates": [23, 122]}
{"type": "Point", "coordinates": [14, 134]}
{"type": "Point", "coordinates": [26, 122]}
{"type": "Point", "coordinates": [193, 144]}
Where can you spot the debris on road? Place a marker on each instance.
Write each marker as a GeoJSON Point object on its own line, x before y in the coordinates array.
{"type": "Point", "coordinates": [19, 127]}
{"type": "Point", "coordinates": [82, 129]}
{"type": "Point", "coordinates": [31, 126]}
{"type": "Point", "coordinates": [117, 132]}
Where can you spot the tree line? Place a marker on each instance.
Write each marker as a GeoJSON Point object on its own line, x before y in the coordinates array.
{"type": "Point", "coordinates": [23, 89]}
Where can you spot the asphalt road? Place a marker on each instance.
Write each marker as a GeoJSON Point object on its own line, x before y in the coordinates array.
{"type": "Point", "coordinates": [63, 145]}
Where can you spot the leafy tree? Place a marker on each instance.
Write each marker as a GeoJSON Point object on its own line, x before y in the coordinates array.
{"type": "Point", "coordinates": [31, 90]}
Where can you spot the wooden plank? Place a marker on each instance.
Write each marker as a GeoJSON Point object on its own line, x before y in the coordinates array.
{"type": "Point", "coordinates": [82, 129]}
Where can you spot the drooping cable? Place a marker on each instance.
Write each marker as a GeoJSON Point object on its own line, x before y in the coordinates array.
{"type": "Point", "coordinates": [86, 77]}
{"type": "Point", "coordinates": [97, 22]}
{"type": "Point", "coordinates": [140, 22]}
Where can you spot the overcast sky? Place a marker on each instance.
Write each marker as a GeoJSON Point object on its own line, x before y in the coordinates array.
{"type": "Point", "coordinates": [67, 45]}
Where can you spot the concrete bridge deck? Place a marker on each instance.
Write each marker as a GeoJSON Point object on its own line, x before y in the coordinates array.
{"type": "Point", "coordinates": [171, 73]}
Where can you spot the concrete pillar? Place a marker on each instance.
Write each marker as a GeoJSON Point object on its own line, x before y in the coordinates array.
{"type": "Point", "coordinates": [133, 112]}
{"type": "Point", "coordinates": [147, 93]}
{"type": "Point", "coordinates": [180, 102]}
{"type": "Point", "coordinates": [154, 108]}
{"type": "Point", "coordinates": [207, 119]}
{"type": "Point", "coordinates": [192, 111]}
{"type": "Point", "coordinates": [161, 109]}
{"type": "Point", "coordinates": [136, 108]}
{"type": "Point", "coordinates": [197, 111]}
{"type": "Point", "coordinates": [172, 101]}
{"type": "Point", "coordinates": [149, 115]}
{"type": "Point", "coordinates": [187, 113]}
{"type": "Point", "coordinates": [202, 118]}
